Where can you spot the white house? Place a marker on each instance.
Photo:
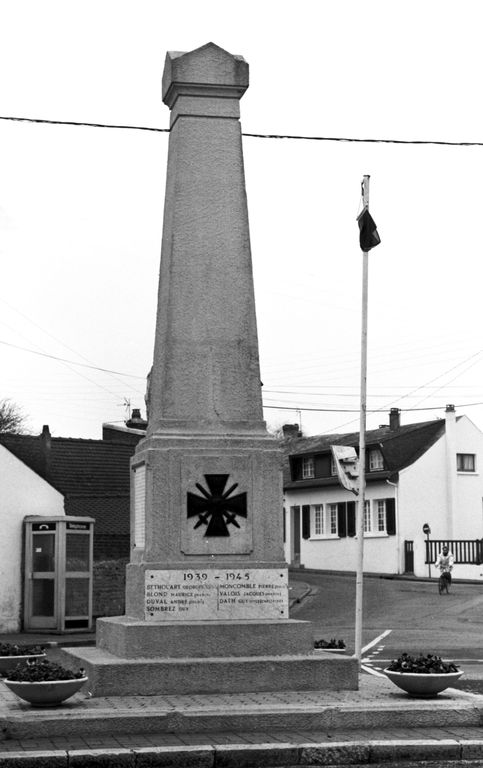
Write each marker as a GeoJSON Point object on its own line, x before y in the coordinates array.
{"type": "Point", "coordinates": [22, 492]}
{"type": "Point", "coordinates": [430, 472]}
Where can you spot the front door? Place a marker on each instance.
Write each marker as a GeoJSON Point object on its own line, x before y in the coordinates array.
{"type": "Point", "coordinates": [295, 535]}
{"type": "Point", "coordinates": [41, 581]}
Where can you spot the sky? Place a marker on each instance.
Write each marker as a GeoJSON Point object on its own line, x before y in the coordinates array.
{"type": "Point", "coordinates": [81, 207]}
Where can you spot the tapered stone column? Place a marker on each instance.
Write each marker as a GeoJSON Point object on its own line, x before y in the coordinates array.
{"type": "Point", "coordinates": [207, 585]}
{"type": "Point", "coordinates": [206, 431]}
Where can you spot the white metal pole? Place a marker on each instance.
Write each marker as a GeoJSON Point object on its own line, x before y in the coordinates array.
{"type": "Point", "coordinates": [362, 441]}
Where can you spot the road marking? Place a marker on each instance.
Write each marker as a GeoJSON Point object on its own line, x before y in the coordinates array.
{"type": "Point", "coordinates": [371, 671]}
{"type": "Point", "coordinates": [376, 641]}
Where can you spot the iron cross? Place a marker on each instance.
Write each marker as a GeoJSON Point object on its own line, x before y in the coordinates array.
{"type": "Point", "coordinates": [216, 509]}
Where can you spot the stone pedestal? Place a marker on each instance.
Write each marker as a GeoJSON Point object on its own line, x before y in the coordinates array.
{"type": "Point", "coordinates": [207, 585]}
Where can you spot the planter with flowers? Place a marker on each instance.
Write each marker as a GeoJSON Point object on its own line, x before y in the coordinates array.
{"type": "Point", "coordinates": [11, 655]}
{"type": "Point", "coordinates": [43, 683]}
{"type": "Point", "coordinates": [422, 676]}
{"type": "Point", "coordinates": [332, 645]}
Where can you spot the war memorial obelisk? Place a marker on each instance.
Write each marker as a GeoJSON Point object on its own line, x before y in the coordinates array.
{"type": "Point", "coordinates": [207, 585]}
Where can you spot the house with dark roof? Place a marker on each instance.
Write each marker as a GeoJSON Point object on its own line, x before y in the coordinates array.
{"type": "Point", "coordinates": [424, 473]}
{"type": "Point", "coordinates": [93, 477]}
{"type": "Point", "coordinates": [52, 476]}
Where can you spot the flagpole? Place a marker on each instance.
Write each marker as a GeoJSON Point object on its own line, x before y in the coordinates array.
{"type": "Point", "coordinates": [362, 440]}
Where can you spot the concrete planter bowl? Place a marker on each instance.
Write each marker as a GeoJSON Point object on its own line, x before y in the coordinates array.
{"type": "Point", "coordinates": [49, 693]}
{"type": "Point", "coordinates": [422, 685]}
{"type": "Point", "coordinates": [7, 663]}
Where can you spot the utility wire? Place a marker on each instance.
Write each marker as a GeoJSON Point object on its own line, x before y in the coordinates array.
{"type": "Point", "coordinates": [356, 410]}
{"type": "Point", "coordinates": [71, 362]}
{"type": "Point", "coordinates": [63, 343]}
{"type": "Point", "coordinates": [251, 135]}
{"type": "Point", "coordinates": [84, 125]}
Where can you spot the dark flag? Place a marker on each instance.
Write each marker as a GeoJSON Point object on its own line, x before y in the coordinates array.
{"type": "Point", "coordinates": [368, 237]}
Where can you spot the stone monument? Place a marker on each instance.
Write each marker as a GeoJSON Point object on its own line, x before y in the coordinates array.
{"type": "Point", "coordinates": [207, 585]}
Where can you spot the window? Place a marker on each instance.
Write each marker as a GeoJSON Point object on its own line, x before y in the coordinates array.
{"type": "Point", "coordinates": [324, 521]}
{"type": "Point", "coordinates": [465, 462]}
{"type": "Point", "coordinates": [381, 515]}
{"type": "Point", "coordinates": [333, 467]}
{"type": "Point", "coordinates": [367, 517]}
{"type": "Point", "coordinates": [376, 460]}
{"type": "Point", "coordinates": [333, 519]}
{"type": "Point", "coordinates": [307, 467]}
{"type": "Point", "coordinates": [319, 529]}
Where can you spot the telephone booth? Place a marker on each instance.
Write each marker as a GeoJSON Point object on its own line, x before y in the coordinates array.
{"type": "Point", "coordinates": [58, 573]}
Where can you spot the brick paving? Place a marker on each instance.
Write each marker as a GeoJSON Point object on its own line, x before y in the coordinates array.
{"type": "Point", "coordinates": [374, 695]}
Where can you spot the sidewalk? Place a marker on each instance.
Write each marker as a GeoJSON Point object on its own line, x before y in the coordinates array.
{"type": "Point", "coordinates": [376, 724]}
{"type": "Point", "coordinates": [372, 725]}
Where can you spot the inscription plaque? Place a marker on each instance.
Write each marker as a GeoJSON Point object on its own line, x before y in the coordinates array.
{"type": "Point", "coordinates": [216, 594]}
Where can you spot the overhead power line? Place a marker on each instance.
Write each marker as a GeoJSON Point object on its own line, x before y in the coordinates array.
{"type": "Point", "coordinates": [343, 139]}
{"type": "Point", "coordinates": [356, 410]}
{"type": "Point", "coordinates": [82, 124]}
{"type": "Point", "coordinates": [71, 362]}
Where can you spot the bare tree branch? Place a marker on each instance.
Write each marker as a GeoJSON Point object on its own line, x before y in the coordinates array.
{"type": "Point", "coordinates": [12, 418]}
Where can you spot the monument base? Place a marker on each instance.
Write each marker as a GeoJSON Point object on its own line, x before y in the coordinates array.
{"type": "Point", "coordinates": [111, 675]}
{"type": "Point", "coordinates": [130, 638]}
{"type": "Point", "coordinates": [142, 658]}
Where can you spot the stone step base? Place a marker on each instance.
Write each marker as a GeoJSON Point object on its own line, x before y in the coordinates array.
{"type": "Point", "coordinates": [111, 675]}
{"type": "Point", "coordinates": [283, 713]}
{"type": "Point", "coordinates": [132, 638]}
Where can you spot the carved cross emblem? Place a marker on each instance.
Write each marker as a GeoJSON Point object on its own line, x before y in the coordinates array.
{"type": "Point", "coordinates": [216, 508]}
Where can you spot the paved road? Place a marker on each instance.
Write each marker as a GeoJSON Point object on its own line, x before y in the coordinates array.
{"type": "Point", "coordinates": [399, 615]}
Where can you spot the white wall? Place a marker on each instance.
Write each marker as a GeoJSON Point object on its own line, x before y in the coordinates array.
{"type": "Point", "coordinates": [340, 554]}
{"type": "Point", "coordinates": [22, 492]}
{"type": "Point", "coordinates": [423, 498]}
{"type": "Point", "coordinates": [469, 486]}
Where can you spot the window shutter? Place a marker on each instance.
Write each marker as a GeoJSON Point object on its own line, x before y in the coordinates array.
{"type": "Point", "coordinates": [319, 466]}
{"type": "Point", "coordinates": [351, 518]}
{"type": "Point", "coordinates": [341, 520]}
{"type": "Point", "coordinates": [306, 521]}
{"type": "Point", "coordinates": [391, 516]}
{"type": "Point", "coordinates": [296, 468]}
{"type": "Point", "coordinates": [284, 530]}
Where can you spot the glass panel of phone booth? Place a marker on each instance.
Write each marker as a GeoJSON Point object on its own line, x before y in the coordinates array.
{"type": "Point", "coordinates": [77, 552]}
{"type": "Point", "coordinates": [43, 552]}
{"type": "Point", "coordinates": [43, 598]}
{"type": "Point", "coordinates": [42, 576]}
{"type": "Point", "coordinates": [77, 608]}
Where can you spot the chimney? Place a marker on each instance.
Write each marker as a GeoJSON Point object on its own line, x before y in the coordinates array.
{"type": "Point", "coordinates": [136, 422]}
{"type": "Point", "coordinates": [46, 445]}
{"type": "Point", "coordinates": [291, 431]}
{"type": "Point", "coordinates": [394, 419]}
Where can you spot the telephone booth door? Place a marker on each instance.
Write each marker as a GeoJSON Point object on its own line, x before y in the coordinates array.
{"type": "Point", "coordinates": [58, 573]}
{"type": "Point", "coordinates": [42, 557]}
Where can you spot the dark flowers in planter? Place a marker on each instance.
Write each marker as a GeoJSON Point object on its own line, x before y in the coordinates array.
{"type": "Point", "coordinates": [7, 649]}
{"type": "Point", "coordinates": [424, 665]}
{"type": "Point", "coordinates": [332, 643]}
{"type": "Point", "coordinates": [42, 670]}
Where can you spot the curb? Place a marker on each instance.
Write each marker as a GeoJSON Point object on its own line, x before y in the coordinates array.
{"type": "Point", "coordinates": [282, 755]}
{"type": "Point", "coordinates": [373, 575]}
{"type": "Point", "coordinates": [295, 600]}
